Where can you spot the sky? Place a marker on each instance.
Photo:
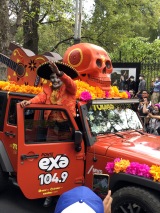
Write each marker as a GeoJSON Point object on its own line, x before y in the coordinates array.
{"type": "Point", "coordinates": [87, 5]}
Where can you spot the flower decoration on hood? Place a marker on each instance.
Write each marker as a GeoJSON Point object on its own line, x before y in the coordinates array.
{"type": "Point", "coordinates": [133, 168]}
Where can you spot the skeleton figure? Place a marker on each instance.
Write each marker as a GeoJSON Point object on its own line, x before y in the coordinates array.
{"type": "Point", "coordinates": [92, 62]}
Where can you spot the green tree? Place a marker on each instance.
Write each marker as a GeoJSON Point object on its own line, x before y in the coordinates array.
{"type": "Point", "coordinates": [4, 27]}
{"type": "Point", "coordinates": [114, 21]}
{"type": "Point", "coordinates": [4, 35]}
{"type": "Point", "coordinates": [36, 17]}
{"type": "Point", "coordinates": [137, 49]}
{"type": "Point", "coordinates": [44, 25]}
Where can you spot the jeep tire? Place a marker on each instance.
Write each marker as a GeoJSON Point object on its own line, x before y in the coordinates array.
{"type": "Point", "coordinates": [135, 199]}
{"type": "Point", "coordinates": [4, 180]}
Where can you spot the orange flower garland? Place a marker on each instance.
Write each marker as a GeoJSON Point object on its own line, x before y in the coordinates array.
{"type": "Point", "coordinates": [82, 86]}
{"type": "Point", "coordinates": [13, 87]}
{"type": "Point", "coordinates": [95, 92]}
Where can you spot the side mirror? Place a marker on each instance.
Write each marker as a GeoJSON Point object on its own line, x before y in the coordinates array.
{"type": "Point", "coordinates": [78, 140]}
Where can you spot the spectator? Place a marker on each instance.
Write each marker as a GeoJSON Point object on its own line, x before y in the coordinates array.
{"type": "Point", "coordinates": [81, 199]}
{"type": "Point", "coordinates": [115, 83]}
{"type": "Point", "coordinates": [122, 80]}
{"type": "Point", "coordinates": [130, 83]}
{"type": "Point", "coordinates": [132, 93]}
{"type": "Point", "coordinates": [144, 108]}
{"type": "Point", "coordinates": [153, 120]}
{"type": "Point", "coordinates": [141, 85]}
{"type": "Point", "coordinates": [143, 94]}
{"type": "Point", "coordinates": [155, 97]}
{"type": "Point", "coordinates": [115, 79]}
{"type": "Point", "coordinates": [147, 106]}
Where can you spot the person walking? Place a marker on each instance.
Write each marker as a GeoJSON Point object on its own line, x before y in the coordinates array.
{"type": "Point", "coordinates": [141, 85]}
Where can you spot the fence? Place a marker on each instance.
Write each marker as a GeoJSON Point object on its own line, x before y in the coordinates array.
{"type": "Point", "coordinates": [149, 69]}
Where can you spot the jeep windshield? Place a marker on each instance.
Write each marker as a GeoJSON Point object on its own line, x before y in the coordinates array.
{"type": "Point", "coordinates": [113, 117]}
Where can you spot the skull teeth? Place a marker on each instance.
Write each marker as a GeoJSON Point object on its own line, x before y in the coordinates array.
{"type": "Point", "coordinates": [98, 80]}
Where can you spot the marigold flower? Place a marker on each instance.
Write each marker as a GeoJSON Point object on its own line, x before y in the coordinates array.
{"type": "Point", "coordinates": [133, 168]}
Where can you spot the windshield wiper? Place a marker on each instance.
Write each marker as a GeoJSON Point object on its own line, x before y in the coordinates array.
{"type": "Point", "coordinates": [119, 135]}
{"type": "Point", "coordinates": [142, 133]}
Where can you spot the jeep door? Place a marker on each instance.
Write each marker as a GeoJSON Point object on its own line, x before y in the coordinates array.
{"type": "Point", "coordinates": [48, 164]}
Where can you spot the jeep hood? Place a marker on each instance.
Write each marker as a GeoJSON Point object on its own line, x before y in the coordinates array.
{"type": "Point", "coordinates": [135, 146]}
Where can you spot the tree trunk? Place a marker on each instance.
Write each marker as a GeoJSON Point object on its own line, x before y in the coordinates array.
{"type": "Point", "coordinates": [30, 25]}
{"type": "Point", "coordinates": [4, 36]}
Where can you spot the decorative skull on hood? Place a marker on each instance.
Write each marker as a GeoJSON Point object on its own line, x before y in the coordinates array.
{"type": "Point", "coordinates": [92, 62]}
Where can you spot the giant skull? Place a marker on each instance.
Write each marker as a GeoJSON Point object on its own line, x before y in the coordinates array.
{"type": "Point", "coordinates": [92, 62]}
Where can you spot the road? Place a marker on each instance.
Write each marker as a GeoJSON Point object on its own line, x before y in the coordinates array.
{"type": "Point", "coordinates": [12, 200]}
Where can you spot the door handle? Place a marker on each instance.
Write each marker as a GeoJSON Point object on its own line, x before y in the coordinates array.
{"type": "Point", "coordinates": [10, 134]}
{"type": "Point", "coordinates": [25, 157]}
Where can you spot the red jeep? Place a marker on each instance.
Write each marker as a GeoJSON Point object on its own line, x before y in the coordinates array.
{"type": "Point", "coordinates": [48, 158]}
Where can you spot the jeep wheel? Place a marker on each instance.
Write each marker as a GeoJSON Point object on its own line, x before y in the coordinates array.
{"type": "Point", "coordinates": [4, 177]}
{"type": "Point", "coordinates": [134, 199]}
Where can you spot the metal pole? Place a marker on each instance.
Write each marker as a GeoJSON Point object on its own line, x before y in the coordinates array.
{"type": "Point", "coordinates": [80, 20]}
{"type": "Point", "coordinates": [76, 22]}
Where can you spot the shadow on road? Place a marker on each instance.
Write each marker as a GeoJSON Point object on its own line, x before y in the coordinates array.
{"type": "Point", "coordinates": [12, 200]}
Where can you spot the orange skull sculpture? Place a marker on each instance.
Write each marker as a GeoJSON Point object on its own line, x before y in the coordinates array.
{"type": "Point", "coordinates": [92, 62]}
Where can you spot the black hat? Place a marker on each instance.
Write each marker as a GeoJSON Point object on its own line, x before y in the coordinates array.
{"type": "Point", "coordinates": [44, 70]}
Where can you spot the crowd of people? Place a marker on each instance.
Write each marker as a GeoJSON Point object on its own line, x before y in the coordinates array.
{"type": "Point", "coordinates": [150, 114]}
{"type": "Point", "coordinates": [149, 102]}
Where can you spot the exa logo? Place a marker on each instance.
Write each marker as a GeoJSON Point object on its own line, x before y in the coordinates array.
{"type": "Point", "coordinates": [48, 164]}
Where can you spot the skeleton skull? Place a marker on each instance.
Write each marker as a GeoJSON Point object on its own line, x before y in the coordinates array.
{"type": "Point", "coordinates": [92, 62]}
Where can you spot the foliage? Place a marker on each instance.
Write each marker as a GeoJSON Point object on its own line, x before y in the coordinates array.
{"type": "Point", "coordinates": [114, 21]}
{"type": "Point", "coordinates": [113, 24]}
{"type": "Point", "coordinates": [57, 14]}
{"type": "Point", "coordinates": [137, 49]}
{"type": "Point", "coordinates": [4, 27]}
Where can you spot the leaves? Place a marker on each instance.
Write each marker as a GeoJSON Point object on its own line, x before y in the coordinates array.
{"type": "Point", "coordinates": [111, 24]}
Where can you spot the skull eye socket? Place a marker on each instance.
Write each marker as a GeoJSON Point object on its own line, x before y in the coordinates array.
{"type": "Point", "coordinates": [108, 64]}
{"type": "Point", "coordinates": [99, 63]}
